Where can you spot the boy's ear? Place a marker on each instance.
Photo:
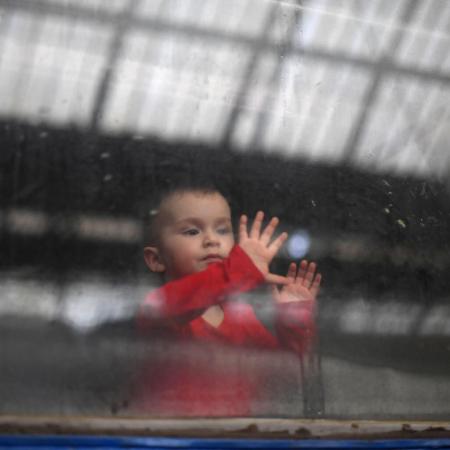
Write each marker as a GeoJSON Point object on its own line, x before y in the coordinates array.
{"type": "Point", "coordinates": [153, 259]}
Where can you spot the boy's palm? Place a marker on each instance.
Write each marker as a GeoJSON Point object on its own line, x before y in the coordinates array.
{"type": "Point", "coordinates": [259, 247]}
{"type": "Point", "coordinates": [304, 284]}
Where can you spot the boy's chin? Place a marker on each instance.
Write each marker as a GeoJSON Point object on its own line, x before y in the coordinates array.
{"type": "Point", "coordinates": [209, 262]}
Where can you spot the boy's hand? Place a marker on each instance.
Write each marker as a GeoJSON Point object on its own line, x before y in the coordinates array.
{"type": "Point", "coordinates": [304, 284]}
{"type": "Point", "coordinates": [258, 247]}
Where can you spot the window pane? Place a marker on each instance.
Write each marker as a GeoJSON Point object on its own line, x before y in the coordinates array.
{"type": "Point", "coordinates": [332, 116]}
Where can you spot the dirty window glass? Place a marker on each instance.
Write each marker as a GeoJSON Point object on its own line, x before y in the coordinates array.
{"type": "Point", "coordinates": [330, 115]}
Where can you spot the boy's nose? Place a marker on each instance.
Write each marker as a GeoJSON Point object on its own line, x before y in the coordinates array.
{"type": "Point", "coordinates": [210, 240]}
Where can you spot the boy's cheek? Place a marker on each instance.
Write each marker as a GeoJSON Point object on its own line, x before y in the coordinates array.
{"type": "Point", "coordinates": [186, 265]}
{"type": "Point", "coordinates": [230, 243]}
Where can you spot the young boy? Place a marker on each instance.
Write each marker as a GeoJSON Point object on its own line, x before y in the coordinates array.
{"type": "Point", "coordinates": [193, 247]}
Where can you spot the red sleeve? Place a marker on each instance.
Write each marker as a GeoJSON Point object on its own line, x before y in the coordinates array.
{"type": "Point", "coordinates": [182, 300]}
{"type": "Point", "coordinates": [295, 326]}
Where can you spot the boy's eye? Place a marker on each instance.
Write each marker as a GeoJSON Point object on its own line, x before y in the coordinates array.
{"type": "Point", "coordinates": [224, 230]}
{"type": "Point", "coordinates": [190, 232]}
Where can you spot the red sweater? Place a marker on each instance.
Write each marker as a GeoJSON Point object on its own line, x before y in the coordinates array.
{"type": "Point", "coordinates": [185, 387]}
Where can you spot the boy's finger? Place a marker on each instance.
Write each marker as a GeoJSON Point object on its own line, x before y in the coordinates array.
{"type": "Point", "coordinates": [269, 230]}
{"type": "Point", "coordinates": [243, 227]}
{"type": "Point", "coordinates": [277, 279]}
{"type": "Point", "coordinates": [309, 276]}
{"type": "Point", "coordinates": [291, 271]}
{"type": "Point", "coordinates": [302, 270]}
{"type": "Point", "coordinates": [275, 246]}
{"type": "Point", "coordinates": [315, 287]}
{"type": "Point", "coordinates": [256, 226]}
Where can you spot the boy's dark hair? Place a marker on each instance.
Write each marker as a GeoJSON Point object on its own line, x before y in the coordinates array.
{"type": "Point", "coordinates": [156, 199]}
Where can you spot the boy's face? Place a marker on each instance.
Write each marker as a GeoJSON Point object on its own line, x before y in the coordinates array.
{"type": "Point", "coordinates": [194, 230]}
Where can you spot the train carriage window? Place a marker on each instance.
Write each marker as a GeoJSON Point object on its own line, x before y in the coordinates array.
{"type": "Point", "coordinates": [135, 135]}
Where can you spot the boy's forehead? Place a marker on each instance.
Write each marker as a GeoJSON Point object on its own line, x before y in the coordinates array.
{"type": "Point", "coordinates": [181, 205]}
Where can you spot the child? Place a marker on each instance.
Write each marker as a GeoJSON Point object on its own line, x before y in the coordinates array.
{"type": "Point", "coordinates": [193, 247]}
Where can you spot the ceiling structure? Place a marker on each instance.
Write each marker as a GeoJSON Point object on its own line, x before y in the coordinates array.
{"type": "Point", "coordinates": [339, 82]}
